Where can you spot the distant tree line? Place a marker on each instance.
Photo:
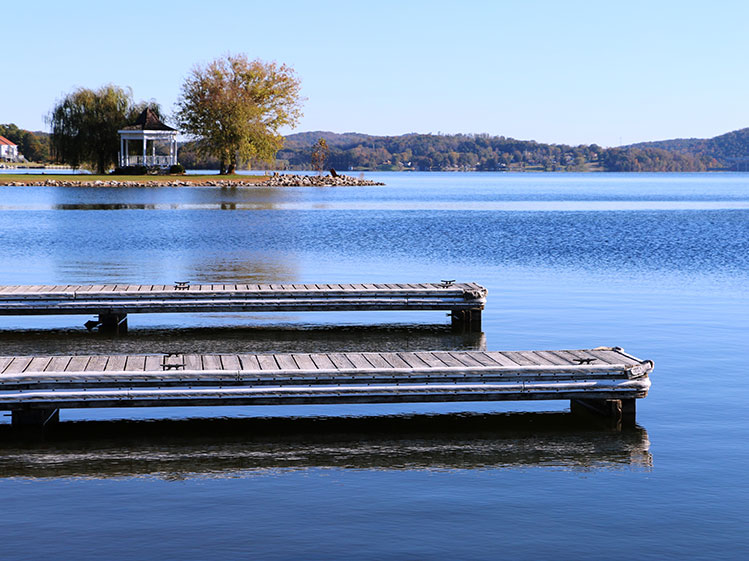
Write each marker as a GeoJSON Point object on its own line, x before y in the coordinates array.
{"type": "Point", "coordinates": [479, 152]}
{"type": "Point", "coordinates": [191, 157]}
{"type": "Point", "coordinates": [654, 159]}
{"type": "Point", "coordinates": [454, 152]}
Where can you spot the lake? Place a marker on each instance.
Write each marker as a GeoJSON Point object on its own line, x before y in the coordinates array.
{"type": "Point", "coordinates": [655, 263]}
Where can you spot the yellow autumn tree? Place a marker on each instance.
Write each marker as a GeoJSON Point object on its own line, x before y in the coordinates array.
{"type": "Point", "coordinates": [235, 107]}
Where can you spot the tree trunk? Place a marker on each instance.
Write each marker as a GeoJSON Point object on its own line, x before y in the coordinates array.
{"type": "Point", "coordinates": [222, 167]}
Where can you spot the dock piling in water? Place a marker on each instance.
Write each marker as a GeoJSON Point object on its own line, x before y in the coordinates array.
{"type": "Point", "coordinates": [620, 413]}
{"type": "Point", "coordinates": [466, 321]}
{"type": "Point", "coordinates": [113, 323]}
{"type": "Point", "coordinates": [35, 417]}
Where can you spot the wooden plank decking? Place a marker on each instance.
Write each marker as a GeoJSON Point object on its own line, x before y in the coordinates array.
{"type": "Point", "coordinates": [112, 302]}
{"type": "Point", "coordinates": [50, 383]}
{"type": "Point", "coordinates": [130, 298]}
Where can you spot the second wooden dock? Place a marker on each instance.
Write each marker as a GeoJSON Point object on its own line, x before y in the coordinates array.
{"type": "Point", "coordinates": [112, 302]}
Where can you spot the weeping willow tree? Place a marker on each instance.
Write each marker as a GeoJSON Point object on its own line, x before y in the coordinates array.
{"type": "Point", "coordinates": [235, 107]}
{"type": "Point", "coordinates": [84, 125]}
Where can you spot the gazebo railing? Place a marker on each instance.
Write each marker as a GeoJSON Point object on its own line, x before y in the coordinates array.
{"type": "Point", "coordinates": [147, 161]}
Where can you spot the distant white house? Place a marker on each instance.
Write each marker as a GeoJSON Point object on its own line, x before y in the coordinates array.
{"type": "Point", "coordinates": [8, 150]}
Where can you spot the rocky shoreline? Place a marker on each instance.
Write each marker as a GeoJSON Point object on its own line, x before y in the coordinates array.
{"type": "Point", "coordinates": [275, 180]}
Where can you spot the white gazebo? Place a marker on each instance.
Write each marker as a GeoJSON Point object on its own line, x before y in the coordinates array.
{"type": "Point", "coordinates": [148, 127]}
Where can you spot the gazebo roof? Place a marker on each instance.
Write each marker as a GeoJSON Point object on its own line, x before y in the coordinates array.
{"type": "Point", "coordinates": [148, 121]}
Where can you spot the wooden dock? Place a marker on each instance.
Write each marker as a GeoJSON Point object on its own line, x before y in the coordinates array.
{"type": "Point", "coordinates": [112, 302]}
{"type": "Point", "coordinates": [605, 379]}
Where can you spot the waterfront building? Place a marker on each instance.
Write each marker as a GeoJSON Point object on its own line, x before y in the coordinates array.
{"type": "Point", "coordinates": [8, 150]}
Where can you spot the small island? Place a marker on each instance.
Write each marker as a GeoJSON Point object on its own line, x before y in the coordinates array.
{"type": "Point", "coordinates": [202, 180]}
{"type": "Point", "coordinates": [231, 110]}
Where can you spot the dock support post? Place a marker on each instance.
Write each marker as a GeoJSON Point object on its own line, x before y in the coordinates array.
{"type": "Point", "coordinates": [113, 323]}
{"type": "Point", "coordinates": [34, 417]}
{"type": "Point", "coordinates": [466, 320]}
{"type": "Point", "coordinates": [620, 412]}
{"type": "Point", "coordinates": [629, 412]}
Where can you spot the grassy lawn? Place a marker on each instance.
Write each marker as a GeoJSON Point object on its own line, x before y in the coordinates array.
{"type": "Point", "coordinates": [36, 177]}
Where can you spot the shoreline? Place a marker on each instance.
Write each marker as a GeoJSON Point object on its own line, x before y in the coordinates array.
{"type": "Point", "coordinates": [275, 180]}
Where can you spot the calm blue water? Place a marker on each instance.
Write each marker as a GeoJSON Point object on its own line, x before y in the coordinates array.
{"type": "Point", "coordinates": [657, 264]}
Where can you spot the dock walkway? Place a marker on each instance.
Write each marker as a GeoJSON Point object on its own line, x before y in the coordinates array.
{"type": "Point", "coordinates": [34, 388]}
{"type": "Point", "coordinates": [112, 302]}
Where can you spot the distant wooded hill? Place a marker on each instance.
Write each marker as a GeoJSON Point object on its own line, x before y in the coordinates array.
{"type": "Point", "coordinates": [467, 152]}
{"type": "Point", "coordinates": [730, 150]}
{"type": "Point", "coordinates": [481, 152]}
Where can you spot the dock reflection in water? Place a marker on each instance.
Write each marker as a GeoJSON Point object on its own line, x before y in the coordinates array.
{"type": "Point", "coordinates": [179, 449]}
{"type": "Point", "coordinates": [228, 340]}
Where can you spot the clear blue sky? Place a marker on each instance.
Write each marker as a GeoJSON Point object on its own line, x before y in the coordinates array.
{"type": "Point", "coordinates": [552, 71]}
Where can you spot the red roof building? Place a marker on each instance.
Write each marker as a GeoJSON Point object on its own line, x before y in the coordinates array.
{"type": "Point", "coordinates": [8, 149]}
